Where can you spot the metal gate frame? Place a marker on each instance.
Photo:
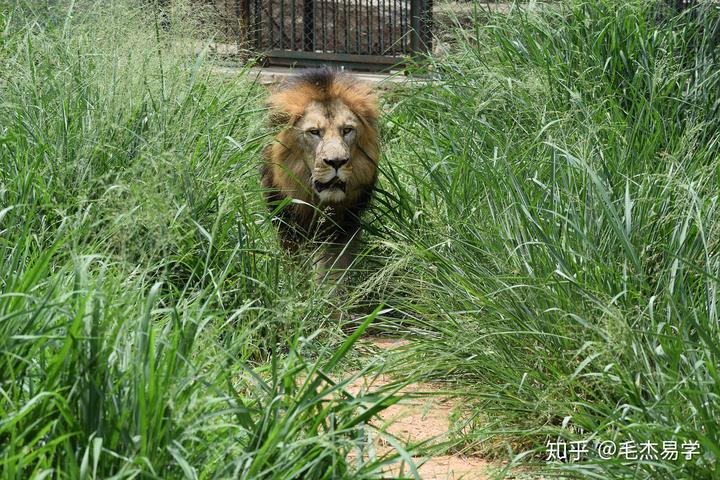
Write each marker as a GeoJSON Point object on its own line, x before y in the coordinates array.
{"type": "Point", "coordinates": [420, 41]}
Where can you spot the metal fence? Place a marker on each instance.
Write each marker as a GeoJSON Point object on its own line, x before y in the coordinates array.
{"type": "Point", "coordinates": [360, 34]}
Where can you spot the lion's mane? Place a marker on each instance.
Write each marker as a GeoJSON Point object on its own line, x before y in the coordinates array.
{"type": "Point", "coordinates": [285, 178]}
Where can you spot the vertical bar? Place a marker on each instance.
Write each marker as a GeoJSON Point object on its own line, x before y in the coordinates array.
{"type": "Point", "coordinates": [293, 43]}
{"type": "Point", "coordinates": [357, 26]}
{"type": "Point", "coordinates": [403, 29]}
{"type": "Point", "coordinates": [242, 11]}
{"type": "Point", "coordinates": [326, 26]}
{"type": "Point", "coordinates": [368, 48]}
{"type": "Point", "coordinates": [282, 24]}
{"type": "Point", "coordinates": [381, 27]}
{"type": "Point", "coordinates": [322, 22]}
{"type": "Point", "coordinates": [391, 13]}
{"type": "Point", "coordinates": [258, 20]}
{"type": "Point", "coordinates": [308, 26]}
{"type": "Point", "coordinates": [420, 10]}
{"type": "Point", "coordinates": [393, 29]}
{"type": "Point", "coordinates": [426, 26]}
{"type": "Point", "coordinates": [238, 18]}
{"type": "Point", "coordinates": [415, 24]}
{"type": "Point", "coordinates": [270, 24]}
{"type": "Point", "coordinates": [398, 22]}
{"type": "Point", "coordinates": [335, 6]}
{"type": "Point", "coordinates": [347, 26]}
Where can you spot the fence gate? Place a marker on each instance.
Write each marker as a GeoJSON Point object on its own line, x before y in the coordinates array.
{"type": "Point", "coordinates": [358, 34]}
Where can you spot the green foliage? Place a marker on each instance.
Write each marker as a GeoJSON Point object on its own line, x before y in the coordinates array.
{"type": "Point", "coordinates": [556, 186]}
{"type": "Point", "coordinates": [149, 325]}
{"type": "Point", "coordinates": [545, 232]}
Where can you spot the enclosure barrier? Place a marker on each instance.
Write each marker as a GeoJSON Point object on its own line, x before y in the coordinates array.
{"type": "Point", "coordinates": [357, 34]}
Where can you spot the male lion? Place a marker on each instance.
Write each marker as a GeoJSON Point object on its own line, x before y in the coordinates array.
{"type": "Point", "coordinates": [325, 160]}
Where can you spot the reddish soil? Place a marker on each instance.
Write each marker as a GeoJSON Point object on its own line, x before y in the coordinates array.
{"type": "Point", "coordinates": [421, 418]}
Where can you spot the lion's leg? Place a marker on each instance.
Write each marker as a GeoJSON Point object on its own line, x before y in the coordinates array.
{"type": "Point", "coordinates": [333, 259]}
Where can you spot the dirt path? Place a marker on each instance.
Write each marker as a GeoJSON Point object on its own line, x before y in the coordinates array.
{"type": "Point", "coordinates": [422, 418]}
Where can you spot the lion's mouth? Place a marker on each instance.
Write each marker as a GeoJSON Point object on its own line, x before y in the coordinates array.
{"type": "Point", "coordinates": [333, 184]}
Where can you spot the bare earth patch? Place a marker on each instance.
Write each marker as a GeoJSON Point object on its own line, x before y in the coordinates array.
{"type": "Point", "coordinates": [421, 418]}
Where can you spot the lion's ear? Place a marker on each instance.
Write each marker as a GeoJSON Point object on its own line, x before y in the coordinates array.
{"type": "Point", "coordinates": [361, 98]}
{"type": "Point", "coordinates": [370, 114]}
{"type": "Point", "coordinates": [278, 118]}
{"type": "Point", "coordinates": [368, 111]}
{"type": "Point", "coordinates": [287, 105]}
{"type": "Point", "coordinates": [371, 110]}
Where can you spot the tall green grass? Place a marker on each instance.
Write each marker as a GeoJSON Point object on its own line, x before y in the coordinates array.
{"type": "Point", "coordinates": [545, 232]}
{"type": "Point", "coordinates": [149, 325]}
{"type": "Point", "coordinates": [553, 196]}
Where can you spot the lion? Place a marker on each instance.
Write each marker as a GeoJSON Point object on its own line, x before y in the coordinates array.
{"type": "Point", "coordinates": [323, 165]}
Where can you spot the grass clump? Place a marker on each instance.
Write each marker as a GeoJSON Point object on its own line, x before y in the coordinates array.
{"type": "Point", "coordinates": [545, 233]}
{"type": "Point", "coordinates": [149, 325]}
{"type": "Point", "coordinates": [556, 185]}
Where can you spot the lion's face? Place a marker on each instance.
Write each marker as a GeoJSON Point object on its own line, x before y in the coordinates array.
{"type": "Point", "coordinates": [327, 134]}
{"type": "Point", "coordinates": [327, 150]}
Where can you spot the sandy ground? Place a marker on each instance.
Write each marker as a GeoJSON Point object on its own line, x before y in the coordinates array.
{"type": "Point", "coordinates": [425, 416]}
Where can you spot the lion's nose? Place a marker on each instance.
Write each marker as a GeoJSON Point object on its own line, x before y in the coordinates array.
{"type": "Point", "coordinates": [336, 163]}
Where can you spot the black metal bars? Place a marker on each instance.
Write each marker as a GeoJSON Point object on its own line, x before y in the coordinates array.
{"type": "Point", "coordinates": [365, 34]}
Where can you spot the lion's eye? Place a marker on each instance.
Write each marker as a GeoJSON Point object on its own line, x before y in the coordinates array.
{"type": "Point", "coordinates": [314, 131]}
{"type": "Point", "coordinates": [348, 130]}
